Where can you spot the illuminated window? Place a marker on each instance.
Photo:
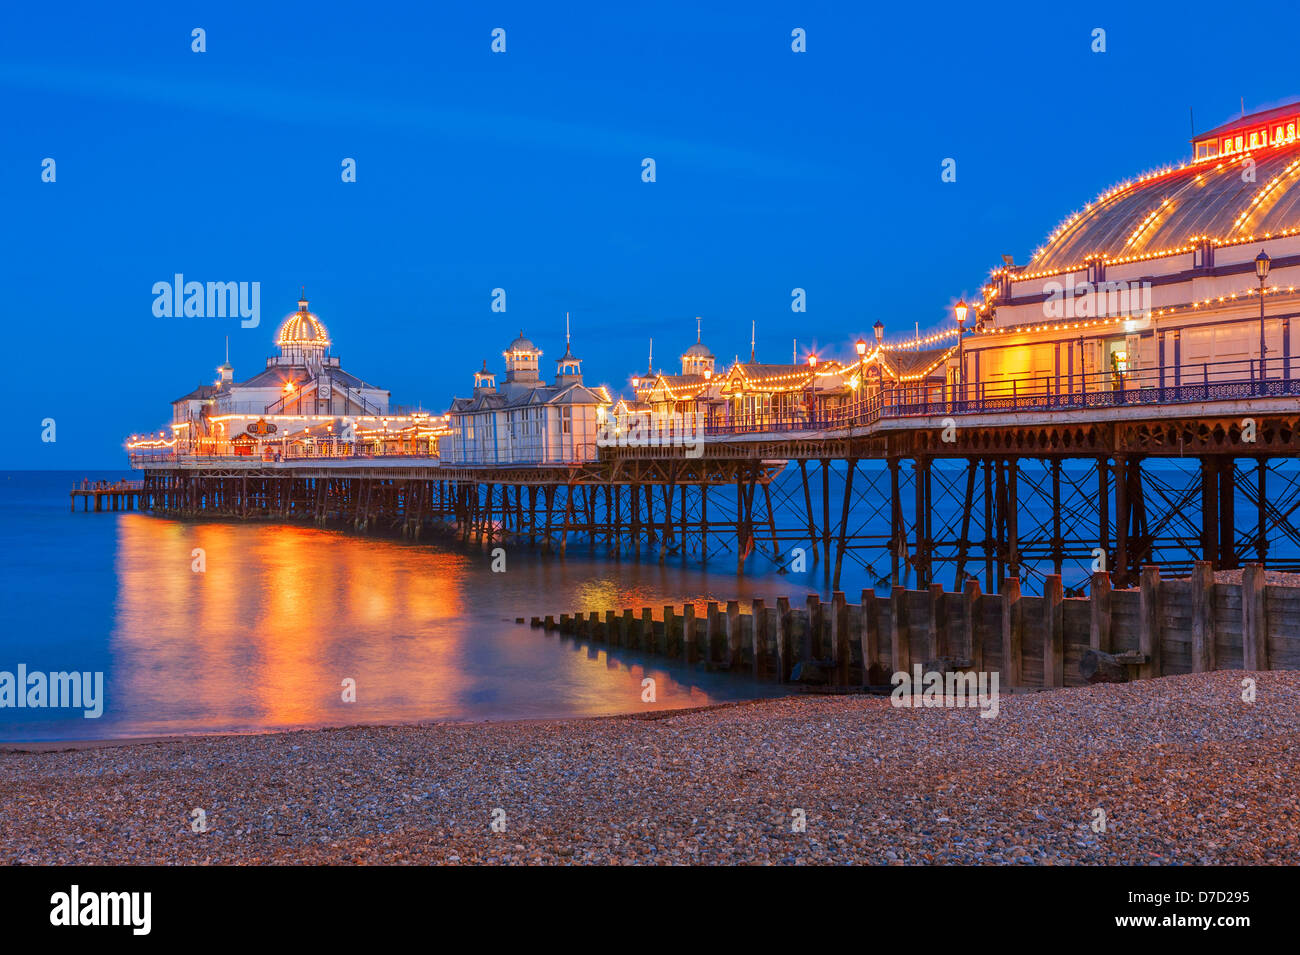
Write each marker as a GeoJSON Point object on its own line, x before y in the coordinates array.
{"type": "Point", "coordinates": [566, 420]}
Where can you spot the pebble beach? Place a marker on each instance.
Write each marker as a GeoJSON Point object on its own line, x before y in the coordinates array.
{"type": "Point", "coordinates": [1181, 769]}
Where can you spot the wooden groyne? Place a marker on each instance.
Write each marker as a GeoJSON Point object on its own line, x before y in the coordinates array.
{"type": "Point", "coordinates": [1162, 627]}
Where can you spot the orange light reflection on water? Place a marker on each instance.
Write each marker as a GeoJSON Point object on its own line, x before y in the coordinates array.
{"type": "Point", "coordinates": [264, 637]}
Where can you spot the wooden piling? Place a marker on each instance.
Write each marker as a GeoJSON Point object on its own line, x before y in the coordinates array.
{"type": "Point", "coordinates": [1149, 632]}
{"type": "Point", "coordinates": [1012, 631]}
{"type": "Point", "coordinates": [810, 643]}
{"type": "Point", "coordinates": [690, 645]}
{"type": "Point", "coordinates": [1254, 619]}
{"type": "Point", "coordinates": [1202, 612]}
{"type": "Point", "coordinates": [937, 631]}
{"type": "Point", "coordinates": [900, 640]}
{"type": "Point", "coordinates": [972, 647]}
{"type": "Point", "coordinates": [783, 641]}
{"type": "Point", "coordinates": [710, 632]}
{"type": "Point", "coordinates": [1053, 631]}
{"type": "Point", "coordinates": [869, 634]}
{"type": "Point", "coordinates": [841, 655]}
{"type": "Point", "coordinates": [759, 654]}
{"type": "Point", "coordinates": [733, 635]}
{"type": "Point", "coordinates": [1099, 618]}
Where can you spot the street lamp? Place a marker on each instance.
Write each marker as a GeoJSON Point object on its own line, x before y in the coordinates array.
{"type": "Point", "coordinates": [961, 309]}
{"type": "Point", "coordinates": [1262, 262]}
{"type": "Point", "coordinates": [812, 363]}
{"type": "Point", "coordinates": [861, 346]}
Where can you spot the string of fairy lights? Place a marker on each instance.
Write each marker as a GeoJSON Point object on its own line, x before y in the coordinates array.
{"type": "Point", "coordinates": [1123, 188]}
{"type": "Point", "coordinates": [1275, 290]}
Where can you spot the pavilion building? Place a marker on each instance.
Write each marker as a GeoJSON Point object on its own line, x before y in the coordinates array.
{"type": "Point", "coordinates": [302, 397]}
{"type": "Point", "coordinates": [526, 421]}
{"type": "Point", "coordinates": [1158, 282]}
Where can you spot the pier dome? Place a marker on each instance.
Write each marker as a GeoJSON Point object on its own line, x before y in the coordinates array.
{"type": "Point", "coordinates": [302, 338]}
{"type": "Point", "coordinates": [522, 345]}
{"type": "Point", "coordinates": [697, 359]}
{"type": "Point", "coordinates": [1242, 184]}
{"type": "Point", "coordinates": [522, 361]}
{"type": "Point", "coordinates": [302, 328]}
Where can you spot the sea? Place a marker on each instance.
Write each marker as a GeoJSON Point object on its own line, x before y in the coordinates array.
{"type": "Point", "coordinates": [281, 622]}
{"type": "Point", "coordinates": [265, 635]}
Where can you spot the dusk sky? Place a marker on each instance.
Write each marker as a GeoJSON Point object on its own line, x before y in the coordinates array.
{"type": "Point", "coordinates": [775, 170]}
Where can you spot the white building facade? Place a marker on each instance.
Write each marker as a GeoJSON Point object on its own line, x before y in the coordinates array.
{"type": "Point", "coordinates": [526, 421]}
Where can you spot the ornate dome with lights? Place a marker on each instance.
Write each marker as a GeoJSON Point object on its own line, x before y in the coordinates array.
{"type": "Point", "coordinates": [1241, 182]}
{"type": "Point", "coordinates": [302, 332]}
{"type": "Point", "coordinates": [1180, 278]}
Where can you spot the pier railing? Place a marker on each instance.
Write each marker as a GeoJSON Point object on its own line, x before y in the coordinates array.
{"type": "Point", "coordinates": [311, 449]}
{"type": "Point", "coordinates": [1065, 391]}
{"type": "Point", "coordinates": [1208, 381]}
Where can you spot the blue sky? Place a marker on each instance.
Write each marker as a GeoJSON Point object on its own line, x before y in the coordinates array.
{"type": "Point", "coordinates": [522, 171]}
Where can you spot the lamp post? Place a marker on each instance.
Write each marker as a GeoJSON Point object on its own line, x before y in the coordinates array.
{"type": "Point", "coordinates": [812, 363]}
{"type": "Point", "coordinates": [861, 347]}
{"type": "Point", "coordinates": [960, 309]}
{"type": "Point", "coordinates": [1262, 262]}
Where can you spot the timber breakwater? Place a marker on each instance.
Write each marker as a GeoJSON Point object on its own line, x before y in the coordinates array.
{"type": "Point", "coordinates": [1162, 627]}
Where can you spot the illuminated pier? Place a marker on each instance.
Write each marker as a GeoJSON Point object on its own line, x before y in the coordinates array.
{"type": "Point", "coordinates": [1129, 397]}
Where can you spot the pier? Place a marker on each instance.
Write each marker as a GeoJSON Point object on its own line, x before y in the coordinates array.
{"type": "Point", "coordinates": [991, 488]}
{"type": "Point", "coordinates": [1128, 398]}
{"type": "Point", "coordinates": [108, 495]}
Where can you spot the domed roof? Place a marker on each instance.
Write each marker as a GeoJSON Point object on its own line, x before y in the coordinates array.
{"type": "Point", "coordinates": [522, 344]}
{"type": "Point", "coordinates": [303, 328]}
{"type": "Point", "coordinates": [698, 350]}
{"type": "Point", "coordinates": [1170, 210]}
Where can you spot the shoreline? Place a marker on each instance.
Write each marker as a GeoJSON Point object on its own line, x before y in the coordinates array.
{"type": "Point", "coordinates": [78, 745]}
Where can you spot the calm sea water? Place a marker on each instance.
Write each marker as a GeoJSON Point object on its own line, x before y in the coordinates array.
{"type": "Point", "coordinates": [263, 639]}
{"type": "Point", "coordinates": [283, 614]}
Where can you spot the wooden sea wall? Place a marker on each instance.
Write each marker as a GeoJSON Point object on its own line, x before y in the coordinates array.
{"type": "Point", "coordinates": [1162, 627]}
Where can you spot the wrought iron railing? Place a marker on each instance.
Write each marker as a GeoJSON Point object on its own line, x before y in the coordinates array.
{"type": "Point", "coordinates": [1208, 381]}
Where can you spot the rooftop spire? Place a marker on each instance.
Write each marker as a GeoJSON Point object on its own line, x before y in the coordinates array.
{"type": "Point", "coordinates": [697, 329]}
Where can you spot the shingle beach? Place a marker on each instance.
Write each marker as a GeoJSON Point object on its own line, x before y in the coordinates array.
{"type": "Point", "coordinates": [1184, 771]}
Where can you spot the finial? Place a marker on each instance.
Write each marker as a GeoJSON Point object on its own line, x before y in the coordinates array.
{"type": "Point", "coordinates": [752, 337]}
{"type": "Point", "coordinates": [697, 329]}
{"type": "Point", "coordinates": [650, 368]}
{"type": "Point", "coordinates": [566, 331]}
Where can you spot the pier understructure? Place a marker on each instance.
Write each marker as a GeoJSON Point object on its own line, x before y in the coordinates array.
{"type": "Point", "coordinates": [930, 494]}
